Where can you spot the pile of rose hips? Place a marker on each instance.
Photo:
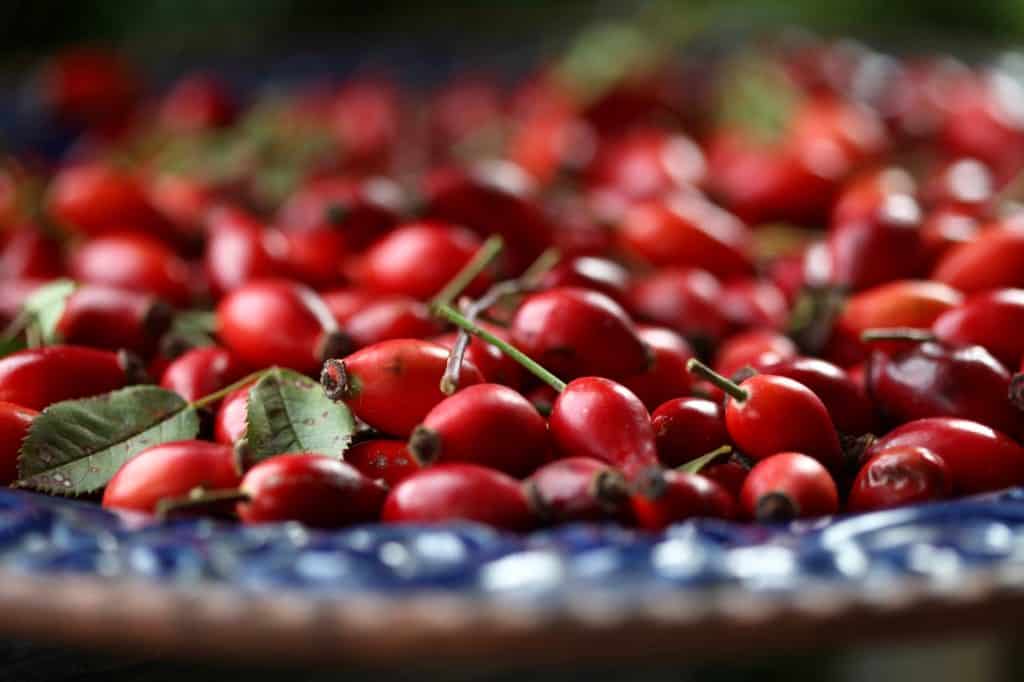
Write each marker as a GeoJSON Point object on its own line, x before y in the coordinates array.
{"type": "Point", "coordinates": [783, 286]}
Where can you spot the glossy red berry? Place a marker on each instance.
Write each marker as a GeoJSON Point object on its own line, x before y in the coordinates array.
{"type": "Point", "coordinates": [688, 428]}
{"type": "Point", "coordinates": [170, 471]}
{"type": "Point", "coordinates": [755, 348]}
{"type": "Point", "coordinates": [460, 492]}
{"type": "Point", "coordinates": [684, 299]}
{"type": "Point", "coordinates": [648, 163]}
{"type": "Point", "coordinates": [278, 322]}
{"type": "Point", "coordinates": [577, 489]}
{"type": "Point", "coordinates": [848, 405]}
{"type": "Point", "coordinates": [14, 423]}
{"type": "Point", "coordinates": [666, 377]}
{"type": "Point", "coordinates": [899, 476]}
{"type": "Point", "coordinates": [767, 414]}
{"type": "Point", "coordinates": [103, 317]}
{"type": "Point", "coordinates": [684, 496]}
{"type": "Point", "coordinates": [935, 380]}
{"type": "Point", "coordinates": [752, 303]}
{"type": "Point", "coordinates": [90, 86]}
{"type": "Point", "coordinates": [598, 418]}
{"type": "Point", "coordinates": [317, 491]}
{"type": "Point", "coordinates": [486, 424]}
{"type": "Point", "coordinates": [688, 231]}
{"type": "Point", "coordinates": [315, 256]}
{"type": "Point", "coordinates": [992, 260]}
{"type": "Point", "coordinates": [387, 460]}
{"type": "Point", "coordinates": [39, 377]}
{"type": "Point", "coordinates": [786, 486]}
{"type": "Point", "coordinates": [576, 332]}
{"type": "Point", "coordinates": [98, 198]}
{"type": "Point", "coordinates": [980, 459]}
{"type": "Point", "coordinates": [418, 259]}
{"type": "Point", "coordinates": [992, 320]}
{"type": "Point", "coordinates": [392, 385]}
{"type": "Point", "coordinates": [496, 367]}
{"type": "Point", "coordinates": [589, 272]}
{"type": "Point", "coordinates": [231, 420]}
{"type": "Point", "coordinates": [866, 253]}
{"type": "Point", "coordinates": [29, 253]}
{"type": "Point", "coordinates": [389, 317]}
{"type": "Point", "coordinates": [202, 371]}
{"type": "Point", "coordinates": [240, 250]}
{"type": "Point", "coordinates": [730, 472]}
{"type": "Point", "coordinates": [135, 262]}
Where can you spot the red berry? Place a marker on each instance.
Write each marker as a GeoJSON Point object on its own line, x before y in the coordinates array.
{"type": "Point", "coordinates": [688, 231]}
{"type": "Point", "coordinates": [848, 405]}
{"type": "Point", "coordinates": [344, 303]}
{"type": "Point", "coordinates": [103, 317]}
{"type": "Point", "coordinates": [312, 489]}
{"type": "Point", "coordinates": [786, 486]}
{"type": "Point", "coordinates": [666, 377]}
{"type": "Point", "coordinates": [934, 380]}
{"type": "Point", "coordinates": [39, 377]}
{"type": "Point", "coordinates": [496, 367]}
{"type": "Point", "coordinates": [755, 348]}
{"type": "Point", "coordinates": [232, 416]}
{"type": "Point", "coordinates": [460, 492]}
{"type": "Point", "coordinates": [169, 471]}
{"type": "Point", "coordinates": [686, 300]}
{"type": "Point", "coordinates": [135, 262]}
{"type": "Point", "coordinates": [392, 385]}
{"type": "Point", "coordinates": [98, 198]}
{"type": "Point", "coordinates": [992, 320]}
{"type": "Point", "coordinates": [486, 424]}
{"type": "Point", "coordinates": [755, 303]}
{"type": "Point", "coordinates": [27, 253]}
{"type": "Point", "coordinates": [589, 272]}
{"type": "Point", "coordinates": [898, 476]}
{"type": "Point", "coordinates": [730, 473]}
{"type": "Point", "coordinates": [979, 458]}
{"type": "Point", "coordinates": [684, 496]}
{"type": "Point", "coordinates": [992, 260]}
{"type": "Point", "coordinates": [418, 259]}
{"type": "Point", "coordinates": [240, 250]}
{"type": "Point", "coordinates": [598, 418]}
{"type": "Point", "coordinates": [197, 102]}
{"type": "Point", "coordinates": [202, 371]}
{"type": "Point", "coordinates": [387, 460]}
{"type": "Point", "coordinates": [767, 414]}
{"type": "Point", "coordinates": [577, 489]}
{"type": "Point", "coordinates": [576, 332]}
{"type": "Point", "coordinates": [315, 256]}
{"type": "Point", "coordinates": [389, 317]}
{"type": "Point", "coordinates": [688, 428]}
{"type": "Point", "coordinates": [90, 86]}
{"type": "Point", "coordinates": [277, 322]}
{"type": "Point", "coordinates": [14, 423]}
{"type": "Point", "coordinates": [648, 163]}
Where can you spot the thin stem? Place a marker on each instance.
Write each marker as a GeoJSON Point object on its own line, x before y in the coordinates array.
{"type": "Point", "coordinates": [458, 319]}
{"type": "Point", "coordinates": [694, 466]}
{"type": "Point", "coordinates": [698, 368]}
{"type": "Point", "coordinates": [897, 334]}
{"type": "Point", "coordinates": [207, 400]}
{"type": "Point", "coordinates": [483, 257]}
{"type": "Point", "coordinates": [545, 261]}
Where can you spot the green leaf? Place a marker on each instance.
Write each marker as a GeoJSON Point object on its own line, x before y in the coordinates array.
{"type": "Point", "coordinates": [43, 310]}
{"type": "Point", "coordinates": [694, 466]}
{"type": "Point", "coordinates": [76, 446]}
{"type": "Point", "coordinates": [11, 345]}
{"type": "Point", "coordinates": [288, 412]}
{"type": "Point", "coordinates": [192, 329]}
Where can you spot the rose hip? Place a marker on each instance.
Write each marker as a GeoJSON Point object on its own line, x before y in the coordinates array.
{"type": "Point", "coordinates": [685, 299]}
{"type": "Point", "coordinates": [29, 253]}
{"type": "Point", "coordinates": [589, 272]}
{"type": "Point", "coordinates": [135, 262]}
{"type": "Point", "coordinates": [104, 317]}
{"type": "Point", "coordinates": [899, 476]}
{"type": "Point", "coordinates": [754, 348]}
{"type": "Point", "coordinates": [387, 460]}
{"type": "Point", "coordinates": [389, 317]}
{"type": "Point", "coordinates": [992, 260]}
{"type": "Point", "coordinates": [496, 367]}
{"type": "Point", "coordinates": [577, 489]}
{"type": "Point", "coordinates": [598, 418]}
{"type": "Point", "coordinates": [232, 420]}
{"type": "Point", "coordinates": [576, 332]}
{"type": "Point", "coordinates": [14, 423]}
{"type": "Point", "coordinates": [786, 486]}
{"type": "Point", "coordinates": [980, 459]}
{"type": "Point", "coordinates": [392, 385]}
{"type": "Point", "coordinates": [240, 250]}
{"type": "Point", "coordinates": [202, 371]}
{"type": "Point", "coordinates": [170, 471]}
{"type": "Point", "coordinates": [486, 424]}
{"type": "Point", "coordinates": [667, 377]}
{"type": "Point", "coordinates": [848, 405]}
{"type": "Point", "coordinates": [309, 488]}
{"type": "Point", "coordinates": [684, 496]}
{"type": "Point", "coordinates": [687, 428]}
{"type": "Point", "coordinates": [39, 377]}
{"type": "Point", "coordinates": [992, 319]}
{"type": "Point", "coordinates": [278, 322]}
{"type": "Point", "coordinates": [467, 492]}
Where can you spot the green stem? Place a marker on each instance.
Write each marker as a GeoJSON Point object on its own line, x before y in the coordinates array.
{"type": "Point", "coordinates": [545, 261]}
{"type": "Point", "coordinates": [695, 465]}
{"type": "Point", "coordinates": [897, 334]}
{"type": "Point", "coordinates": [698, 368]}
{"type": "Point", "coordinates": [483, 257]}
{"type": "Point", "coordinates": [459, 320]}
{"type": "Point", "coordinates": [210, 399]}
